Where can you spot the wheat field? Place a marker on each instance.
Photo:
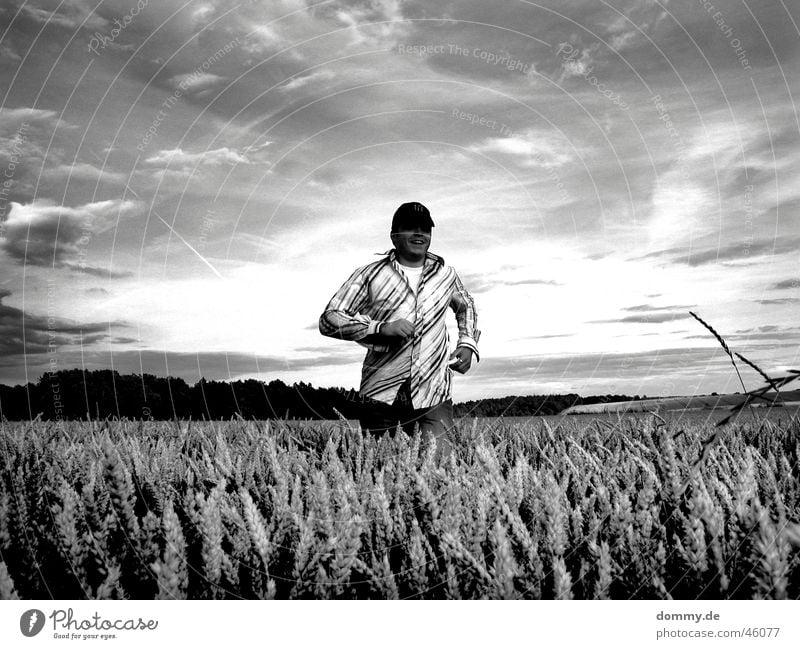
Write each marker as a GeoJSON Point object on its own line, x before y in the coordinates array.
{"type": "Point", "coordinates": [242, 509]}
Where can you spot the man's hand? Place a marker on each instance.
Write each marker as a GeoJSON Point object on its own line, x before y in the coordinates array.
{"type": "Point", "coordinates": [401, 328]}
{"type": "Point", "coordinates": [464, 356]}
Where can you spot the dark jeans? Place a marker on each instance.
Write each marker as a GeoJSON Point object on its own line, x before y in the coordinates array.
{"type": "Point", "coordinates": [433, 422]}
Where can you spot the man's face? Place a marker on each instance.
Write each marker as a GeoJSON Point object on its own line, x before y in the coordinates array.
{"type": "Point", "coordinates": [412, 243]}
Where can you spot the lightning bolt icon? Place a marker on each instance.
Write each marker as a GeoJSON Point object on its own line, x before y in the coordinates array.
{"type": "Point", "coordinates": [32, 621]}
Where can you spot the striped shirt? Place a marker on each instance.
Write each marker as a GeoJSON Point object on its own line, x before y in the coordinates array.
{"type": "Point", "coordinates": [379, 292]}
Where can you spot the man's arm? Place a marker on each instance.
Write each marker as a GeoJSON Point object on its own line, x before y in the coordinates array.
{"type": "Point", "coordinates": [342, 318]}
{"type": "Point", "coordinates": [466, 316]}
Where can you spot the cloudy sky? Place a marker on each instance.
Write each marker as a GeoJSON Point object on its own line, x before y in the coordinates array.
{"type": "Point", "coordinates": [184, 185]}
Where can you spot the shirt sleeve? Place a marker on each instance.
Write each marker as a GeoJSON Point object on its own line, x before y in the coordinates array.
{"type": "Point", "coordinates": [343, 317]}
{"type": "Point", "coordinates": [466, 316]}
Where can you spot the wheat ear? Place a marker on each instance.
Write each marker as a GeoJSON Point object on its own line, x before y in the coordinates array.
{"type": "Point", "coordinates": [722, 342]}
{"type": "Point", "coordinates": [759, 370]}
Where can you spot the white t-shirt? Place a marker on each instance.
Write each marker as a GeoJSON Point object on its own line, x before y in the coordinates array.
{"type": "Point", "coordinates": [413, 274]}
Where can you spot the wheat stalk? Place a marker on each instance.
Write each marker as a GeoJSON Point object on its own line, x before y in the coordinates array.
{"type": "Point", "coordinates": [257, 529]}
{"type": "Point", "coordinates": [604, 572]}
{"type": "Point", "coordinates": [416, 561]}
{"type": "Point", "coordinates": [505, 568]}
{"type": "Point", "coordinates": [212, 531]}
{"type": "Point", "coordinates": [7, 590]}
{"type": "Point", "coordinates": [171, 568]}
{"type": "Point", "coordinates": [562, 581]}
{"type": "Point", "coordinates": [722, 342]}
{"type": "Point", "coordinates": [772, 382]}
{"type": "Point", "coordinates": [759, 370]}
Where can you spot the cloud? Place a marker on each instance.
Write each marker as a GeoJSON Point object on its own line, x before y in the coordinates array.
{"type": "Point", "coordinates": [648, 314]}
{"type": "Point", "coordinates": [544, 282]}
{"type": "Point", "coordinates": [786, 284]}
{"type": "Point", "coordinates": [577, 61]}
{"type": "Point", "coordinates": [192, 83]}
{"type": "Point", "coordinates": [124, 340]}
{"type": "Point", "coordinates": [679, 208]}
{"type": "Point", "coordinates": [476, 283]}
{"type": "Point", "coordinates": [24, 134]}
{"type": "Point", "coordinates": [11, 118]}
{"type": "Point", "coordinates": [625, 29]}
{"type": "Point", "coordinates": [741, 250]}
{"type": "Point", "coordinates": [645, 318]}
{"type": "Point", "coordinates": [762, 328]}
{"type": "Point", "coordinates": [761, 248]}
{"type": "Point", "coordinates": [780, 300]}
{"type": "Point", "coordinates": [544, 337]}
{"type": "Point", "coordinates": [318, 76]}
{"type": "Point", "coordinates": [67, 15]}
{"type": "Point", "coordinates": [257, 147]}
{"type": "Point", "coordinates": [652, 309]}
{"type": "Point", "coordinates": [8, 55]}
{"type": "Point", "coordinates": [84, 171]}
{"type": "Point", "coordinates": [179, 165]}
{"type": "Point", "coordinates": [262, 39]}
{"type": "Point", "coordinates": [98, 272]}
{"type": "Point", "coordinates": [42, 233]}
{"type": "Point", "coordinates": [767, 333]}
{"type": "Point", "coordinates": [257, 153]}
{"type": "Point", "coordinates": [529, 149]}
{"type": "Point", "coordinates": [388, 15]}
{"type": "Point", "coordinates": [614, 39]}
{"type": "Point", "coordinates": [180, 158]}
{"type": "Point", "coordinates": [43, 334]}
{"type": "Point", "coordinates": [33, 152]}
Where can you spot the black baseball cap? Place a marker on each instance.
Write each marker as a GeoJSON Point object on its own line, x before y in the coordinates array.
{"type": "Point", "coordinates": [410, 215]}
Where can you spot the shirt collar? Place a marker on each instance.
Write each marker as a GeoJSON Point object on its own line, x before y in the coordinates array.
{"type": "Point", "coordinates": [391, 255]}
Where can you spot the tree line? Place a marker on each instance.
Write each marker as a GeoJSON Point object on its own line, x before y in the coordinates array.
{"type": "Point", "coordinates": [101, 394]}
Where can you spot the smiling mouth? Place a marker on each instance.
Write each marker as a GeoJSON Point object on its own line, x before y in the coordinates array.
{"type": "Point", "coordinates": [420, 241]}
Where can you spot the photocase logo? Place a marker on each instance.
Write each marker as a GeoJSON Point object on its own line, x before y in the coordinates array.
{"type": "Point", "coordinates": [31, 622]}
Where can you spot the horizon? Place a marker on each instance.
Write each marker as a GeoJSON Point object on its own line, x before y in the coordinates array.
{"type": "Point", "coordinates": [267, 380]}
{"type": "Point", "coordinates": [184, 194]}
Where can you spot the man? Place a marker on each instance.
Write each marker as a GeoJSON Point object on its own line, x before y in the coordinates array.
{"type": "Point", "coordinates": [396, 308]}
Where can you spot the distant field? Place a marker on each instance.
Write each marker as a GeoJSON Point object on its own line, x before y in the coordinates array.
{"type": "Point", "coordinates": [584, 508]}
{"type": "Point", "coordinates": [790, 398]}
{"type": "Point", "coordinates": [694, 417]}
